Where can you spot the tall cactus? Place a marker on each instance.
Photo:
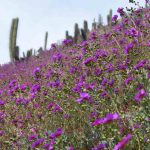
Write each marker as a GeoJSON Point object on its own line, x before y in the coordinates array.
{"type": "Point", "coordinates": [85, 30]}
{"type": "Point", "coordinates": [29, 53]}
{"type": "Point", "coordinates": [109, 18]}
{"type": "Point", "coordinates": [67, 35]}
{"type": "Point", "coordinates": [45, 42]}
{"type": "Point", "coordinates": [100, 21]}
{"type": "Point", "coordinates": [110, 14]}
{"type": "Point", "coordinates": [83, 34]}
{"type": "Point", "coordinates": [94, 25]}
{"type": "Point", "coordinates": [13, 48]}
{"type": "Point", "coordinates": [85, 25]}
{"type": "Point", "coordinates": [16, 52]}
{"type": "Point", "coordinates": [76, 33]}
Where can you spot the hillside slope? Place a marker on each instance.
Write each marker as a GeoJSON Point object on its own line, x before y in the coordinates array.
{"type": "Point", "coordinates": [92, 95]}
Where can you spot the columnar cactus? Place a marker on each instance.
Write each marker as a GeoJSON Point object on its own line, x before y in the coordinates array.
{"type": "Point", "coordinates": [16, 52]}
{"type": "Point", "coordinates": [45, 42]}
{"type": "Point", "coordinates": [29, 53]}
{"type": "Point", "coordinates": [85, 25]}
{"type": "Point", "coordinates": [13, 48]}
{"type": "Point", "coordinates": [67, 35]}
{"type": "Point", "coordinates": [85, 30]}
{"type": "Point", "coordinates": [110, 14]}
{"type": "Point", "coordinates": [109, 18]}
{"type": "Point", "coordinates": [76, 33]}
{"type": "Point", "coordinates": [83, 34]}
{"type": "Point", "coordinates": [100, 21]}
{"type": "Point", "coordinates": [94, 25]}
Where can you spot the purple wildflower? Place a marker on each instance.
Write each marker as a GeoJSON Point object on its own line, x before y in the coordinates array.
{"type": "Point", "coordinates": [142, 93]}
{"type": "Point", "coordinates": [49, 146]}
{"type": "Point", "coordinates": [53, 45]}
{"type": "Point", "coordinates": [57, 108]}
{"type": "Point", "coordinates": [50, 105]}
{"type": "Point", "coordinates": [148, 75]}
{"type": "Point", "coordinates": [133, 32]}
{"type": "Point", "coordinates": [140, 64]}
{"type": "Point", "coordinates": [111, 83]}
{"type": "Point", "coordinates": [121, 11]}
{"type": "Point", "coordinates": [123, 142]}
{"type": "Point", "coordinates": [67, 41]}
{"type": "Point", "coordinates": [89, 60]}
{"type": "Point", "coordinates": [36, 71]}
{"type": "Point", "coordinates": [57, 56]}
{"type": "Point", "coordinates": [1, 92]}
{"type": "Point", "coordinates": [57, 133]}
{"type": "Point", "coordinates": [107, 119]}
{"type": "Point", "coordinates": [70, 148]}
{"type": "Point", "coordinates": [2, 103]}
{"type": "Point", "coordinates": [104, 82]}
{"type": "Point", "coordinates": [98, 71]}
{"type": "Point", "coordinates": [126, 81]}
{"type": "Point", "coordinates": [2, 132]}
{"type": "Point", "coordinates": [92, 115]}
{"type": "Point", "coordinates": [103, 94]}
{"type": "Point", "coordinates": [114, 18]}
{"type": "Point", "coordinates": [32, 137]}
{"type": "Point", "coordinates": [35, 88]}
{"type": "Point", "coordinates": [37, 143]}
{"type": "Point", "coordinates": [83, 96]}
{"type": "Point", "coordinates": [100, 146]}
{"type": "Point", "coordinates": [109, 67]}
{"type": "Point", "coordinates": [128, 48]}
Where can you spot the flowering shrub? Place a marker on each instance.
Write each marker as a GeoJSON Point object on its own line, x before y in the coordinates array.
{"type": "Point", "coordinates": [92, 95]}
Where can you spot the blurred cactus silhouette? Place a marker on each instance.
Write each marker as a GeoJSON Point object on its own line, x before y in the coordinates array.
{"type": "Point", "coordinates": [28, 53]}
{"type": "Point", "coordinates": [83, 34]}
{"type": "Point", "coordinates": [76, 33]}
{"type": "Point", "coordinates": [45, 42]}
{"type": "Point", "coordinates": [94, 25]}
{"type": "Point", "coordinates": [85, 25]}
{"type": "Point", "coordinates": [13, 48]}
{"type": "Point", "coordinates": [109, 18]}
{"type": "Point", "coordinates": [85, 30]}
{"type": "Point", "coordinates": [100, 21]}
{"type": "Point", "coordinates": [68, 36]}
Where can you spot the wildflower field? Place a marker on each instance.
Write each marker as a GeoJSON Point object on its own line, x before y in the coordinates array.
{"type": "Point", "coordinates": [88, 96]}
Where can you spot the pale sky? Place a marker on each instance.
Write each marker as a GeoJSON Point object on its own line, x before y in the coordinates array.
{"type": "Point", "coordinates": [55, 16]}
